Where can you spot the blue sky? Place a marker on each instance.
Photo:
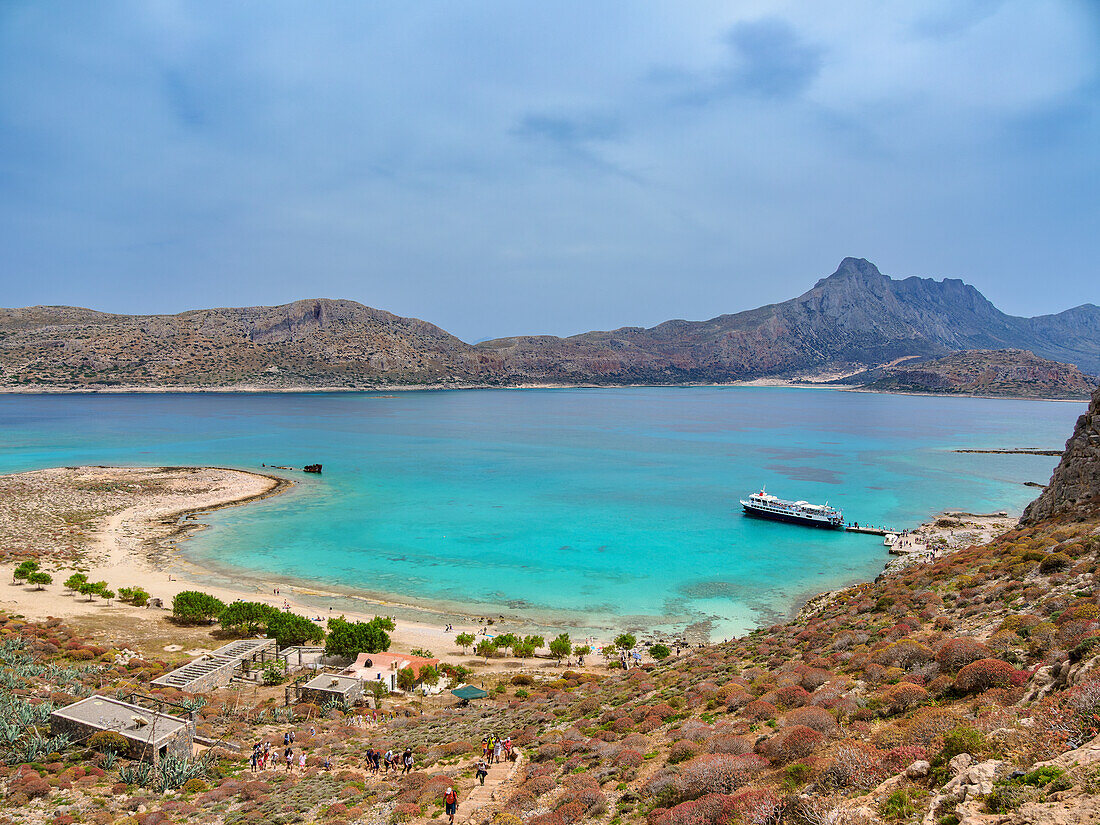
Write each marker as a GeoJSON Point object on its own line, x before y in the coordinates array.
{"type": "Point", "coordinates": [509, 167]}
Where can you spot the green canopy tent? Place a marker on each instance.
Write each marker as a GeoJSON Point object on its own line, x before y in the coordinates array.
{"type": "Point", "coordinates": [468, 692]}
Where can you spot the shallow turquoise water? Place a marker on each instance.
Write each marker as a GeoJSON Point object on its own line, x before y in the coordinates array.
{"type": "Point", "coordinates": [619, 505]}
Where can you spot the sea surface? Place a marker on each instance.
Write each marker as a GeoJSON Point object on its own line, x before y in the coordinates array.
{"type": "Point", "coordinates": [595, 508]}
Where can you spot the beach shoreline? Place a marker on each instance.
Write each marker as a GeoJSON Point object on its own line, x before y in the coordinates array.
{"type": "Point", "coordinates": [136, 545]}
{"type": "Point", "coordinates": [247, 389]}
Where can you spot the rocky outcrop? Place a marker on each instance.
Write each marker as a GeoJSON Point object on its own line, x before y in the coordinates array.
{"type": "Point", "coordinates": [1074, 490]}
{"type": "Point", "coordinates": [1012, 372]}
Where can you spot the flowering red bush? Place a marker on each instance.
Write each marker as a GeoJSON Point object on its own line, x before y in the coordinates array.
{"type": "Point", "coordinates": [897, 759]}
{"type": "Point", "coordinates": [985, 674]}
{"type": "Point", "coordinates": [756, 806]}
{"type": "Point", "coordinates": [853, 765]}
{"type": "Point", "coordinates": [728, 743]}
{"type": "Point", "coordinates": [957, 653]}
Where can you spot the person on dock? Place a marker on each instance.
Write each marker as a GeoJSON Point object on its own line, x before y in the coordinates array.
{"type": "Point", "coordinates": [450, 799]}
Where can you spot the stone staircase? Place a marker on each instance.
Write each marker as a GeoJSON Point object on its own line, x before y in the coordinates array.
{"type": "Point", "coordinates": [476, 806]}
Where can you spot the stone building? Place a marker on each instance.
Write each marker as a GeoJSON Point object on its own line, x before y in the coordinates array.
{"type": "Point", "coordinates": [328, 687]}
{"type": "Point", "coordinates": [149, 734]}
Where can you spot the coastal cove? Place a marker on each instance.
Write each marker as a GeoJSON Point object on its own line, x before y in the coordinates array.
{"type": "Point", "coordinates": [594, 508]}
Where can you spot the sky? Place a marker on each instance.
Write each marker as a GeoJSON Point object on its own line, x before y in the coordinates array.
{"type": "Point", "coordinates": [532, 167]}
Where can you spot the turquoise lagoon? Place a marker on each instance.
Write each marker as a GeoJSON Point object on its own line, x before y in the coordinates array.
{"type": "Point", "coordinates": [595, 508]}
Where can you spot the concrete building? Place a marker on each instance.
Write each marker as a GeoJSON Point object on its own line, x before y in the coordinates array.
{"type": "Point", "coordinates": [149, 734]}
{"type": "Point", "coordinates": [329, 687]}
{"type": "Point", "coordinates": [214, 670]}
{"type": "Point", "coordinates": [383, 667]}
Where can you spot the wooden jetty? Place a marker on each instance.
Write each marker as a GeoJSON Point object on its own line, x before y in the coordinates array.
{"type": "Point", "coordinates": [874, 531]}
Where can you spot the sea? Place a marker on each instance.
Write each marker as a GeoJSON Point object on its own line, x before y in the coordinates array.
{"type": "Point", "coordinates": [601, 509]}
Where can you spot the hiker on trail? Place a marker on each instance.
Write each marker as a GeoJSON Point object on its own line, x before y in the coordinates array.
{"type": "Point", "coordinates": [498, 750]}
{"type": "Point", "coordinates": [450, 799]}
{"type": "Point", "coordinates": [508, 749]}
{"type": "Point", "coordinates": [408, 760]}
{"type": "Point", "coordinates": [286, 739]}
{"type": "Point", "coordinates": [254, 761]}
{"type": "Point", "coordinates": [302, 761]}
{"type": "Point", "coordinates": [289, 759]}
{"type": "Point", "coordinates": [389, 760]}
{"type": "Point", "coordinates": [482, 771]}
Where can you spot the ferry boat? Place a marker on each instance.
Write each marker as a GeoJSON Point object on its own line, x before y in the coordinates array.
{"type": "Point", "coordinates": [765, 505]}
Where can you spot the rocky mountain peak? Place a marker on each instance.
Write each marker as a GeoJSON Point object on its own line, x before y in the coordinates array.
{"type": "Point", "coordinates": [1074, 490]}
{"type": "Point", "coordinates": [858, 270]}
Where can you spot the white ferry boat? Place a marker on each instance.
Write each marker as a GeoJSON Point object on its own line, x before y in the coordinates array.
{"type": "Point", "coordinates": [765, 505]}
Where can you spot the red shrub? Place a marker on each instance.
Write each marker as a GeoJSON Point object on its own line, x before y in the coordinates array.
{"type": "Point", "coordinates": [759, 710]}
{"type": "Point", "coordinates": [985, 674]}
{"type": "Point", "coordinates": [957, 653]}
{"type": "Point", "coordinates": [717, 773]}
{"type": "Point", "coordinates": [728, 743]}
{"type": "Point", "coordinates": [904, 696]}
{"type": "Point", "coordinates": [712, 809]}
{"type": "Point", "coordinates": [793, 696]}
{"type": "Point", "coordinates": [757, 806]}
{"type": "Point", "coordinates": [793, 743]}
{"type": "Point", "coordinates": [816, 718]}
{"type": "Point", "coordinates": [905, 653]}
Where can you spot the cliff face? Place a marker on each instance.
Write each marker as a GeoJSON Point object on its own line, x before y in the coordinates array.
{"type": "Point", "coordinates": [1013, 372]}
{"type": "Point", "coordinates": [1074, 490]}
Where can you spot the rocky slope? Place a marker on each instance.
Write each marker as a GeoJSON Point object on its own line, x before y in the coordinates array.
{"type": "Point", "coordinates": [854, 320]}
{"type": "Point", "coordinates": [1074, 490]}
{"type": "Point", "coordinates": [1013, 372]}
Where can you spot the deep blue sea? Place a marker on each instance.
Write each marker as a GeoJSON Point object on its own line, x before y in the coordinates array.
{"type": "Point", "coordinates": [596, 507]}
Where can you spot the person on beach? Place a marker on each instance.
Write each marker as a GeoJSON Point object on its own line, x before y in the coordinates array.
{"type": "Point", "coordinates": [481, 771]}
{"type": "Point", "coordinates": [450, 800]}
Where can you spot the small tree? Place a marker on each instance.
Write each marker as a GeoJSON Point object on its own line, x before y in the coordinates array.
{"type": "Point", "coordinates": [39, 578]}
{"type": "Point", "coordinates": [429, 675]}
{"type": "Point", "coordinates": [423, 653]}
{"type": "Point", "coordinates": [247, 617]}
{"type": "Point", "coordinates": [464, 640]}
{"type": "Point", "coordinates": [24, 570]}
{"type": "Point", "coordinates": [534, 642]}
{"type": "Point", "coordinates": [352, 638]}
{"type": "Point", "coordinates": [507, 641]}
{"type": "Point", "coordinates": [560, 647]}
{"type": "Point", "coordinates": [194, 606]}
{"type": "Point", "coordinates": [273, 672]}
{"type": "Point", "coordinates": [406, 679]}
{"type": "Point", "coordinates": [522, 650]}
{"type": "Point", "coordinates": [625, 641]}
{"type": "Point", "coordinates": [580, 651]}
{"type": "Point", "coordinates": [88, 589]}
{"type": "Point", "coordinates": [486, 648]}
{"type": "Point", "coordinates": [106, 594]}
{"type": "Point", "coordinates": [659, 651]}
{"type": "Point", "coordinates": [289, 629]}
{"type": "Point", "coordinates": [74, 581]}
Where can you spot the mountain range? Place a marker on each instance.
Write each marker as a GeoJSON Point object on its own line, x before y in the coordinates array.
{"type": "Point", "coordinates": [854, 321]}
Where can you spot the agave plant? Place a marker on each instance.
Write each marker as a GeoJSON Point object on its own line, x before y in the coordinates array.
{"type": "Point", "coordinates": [108, 759]}
{"type": "Point", "coordinates": [135, 773]}
{"type": "Point", "coordinates": [173, 772]}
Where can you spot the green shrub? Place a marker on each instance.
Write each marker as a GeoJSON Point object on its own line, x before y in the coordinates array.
{"type": "Point", "coordinates": [193, 606]}
{"type": "Point", "coordinates": [898, 806]}
{"type": "Point", "coordinates": [108, 741]}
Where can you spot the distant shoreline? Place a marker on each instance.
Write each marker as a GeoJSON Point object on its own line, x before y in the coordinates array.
{"type": "Point", "coordinates": [246, 389]}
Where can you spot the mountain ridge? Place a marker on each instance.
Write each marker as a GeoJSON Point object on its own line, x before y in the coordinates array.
{"type": "Point", "coordinates": [851, 321]}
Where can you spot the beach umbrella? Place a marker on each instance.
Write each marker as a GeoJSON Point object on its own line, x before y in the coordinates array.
{"type": "Point", "coordinates": [468, 692]}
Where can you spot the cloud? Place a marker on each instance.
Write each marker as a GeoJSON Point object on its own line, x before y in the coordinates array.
{"type": "Point", "coordinates": [772, 60]}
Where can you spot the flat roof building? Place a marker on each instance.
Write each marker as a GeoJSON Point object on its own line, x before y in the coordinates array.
{"type": "Point", "coordinates": [150, 735]}
{"type": "Point", "coordinates": [329, 687]}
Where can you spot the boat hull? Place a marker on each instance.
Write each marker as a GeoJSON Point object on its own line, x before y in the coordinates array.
{"type": "Point", "coordinates": [791, 519]}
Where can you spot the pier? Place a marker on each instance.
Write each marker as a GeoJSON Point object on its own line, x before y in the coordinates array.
{"type": "Point", "coordinates": [874, 531]}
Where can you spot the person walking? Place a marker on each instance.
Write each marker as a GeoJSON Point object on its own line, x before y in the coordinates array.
{"type": "Point", "coordinates": [289, 760]}
{"type": "Point", "coordinates": [408, 760]}
{"type": "Point", "coordinates": [302, 761]}
{"type": "Point", "coordinates": [389, 760]}
{"type": "Point", "coordinates": [450, 800]}
{"type": "Point", "coordinates": [498, 750]}
{"type": "Point", "coordinates": [482, 770]}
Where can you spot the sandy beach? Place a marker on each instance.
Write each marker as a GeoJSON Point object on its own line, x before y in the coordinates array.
{"type": "Point", "coordinates": [121, 525]}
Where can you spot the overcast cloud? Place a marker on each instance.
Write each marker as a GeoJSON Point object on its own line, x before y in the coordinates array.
{"type": "Point", "coordinates": [510, 167]}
